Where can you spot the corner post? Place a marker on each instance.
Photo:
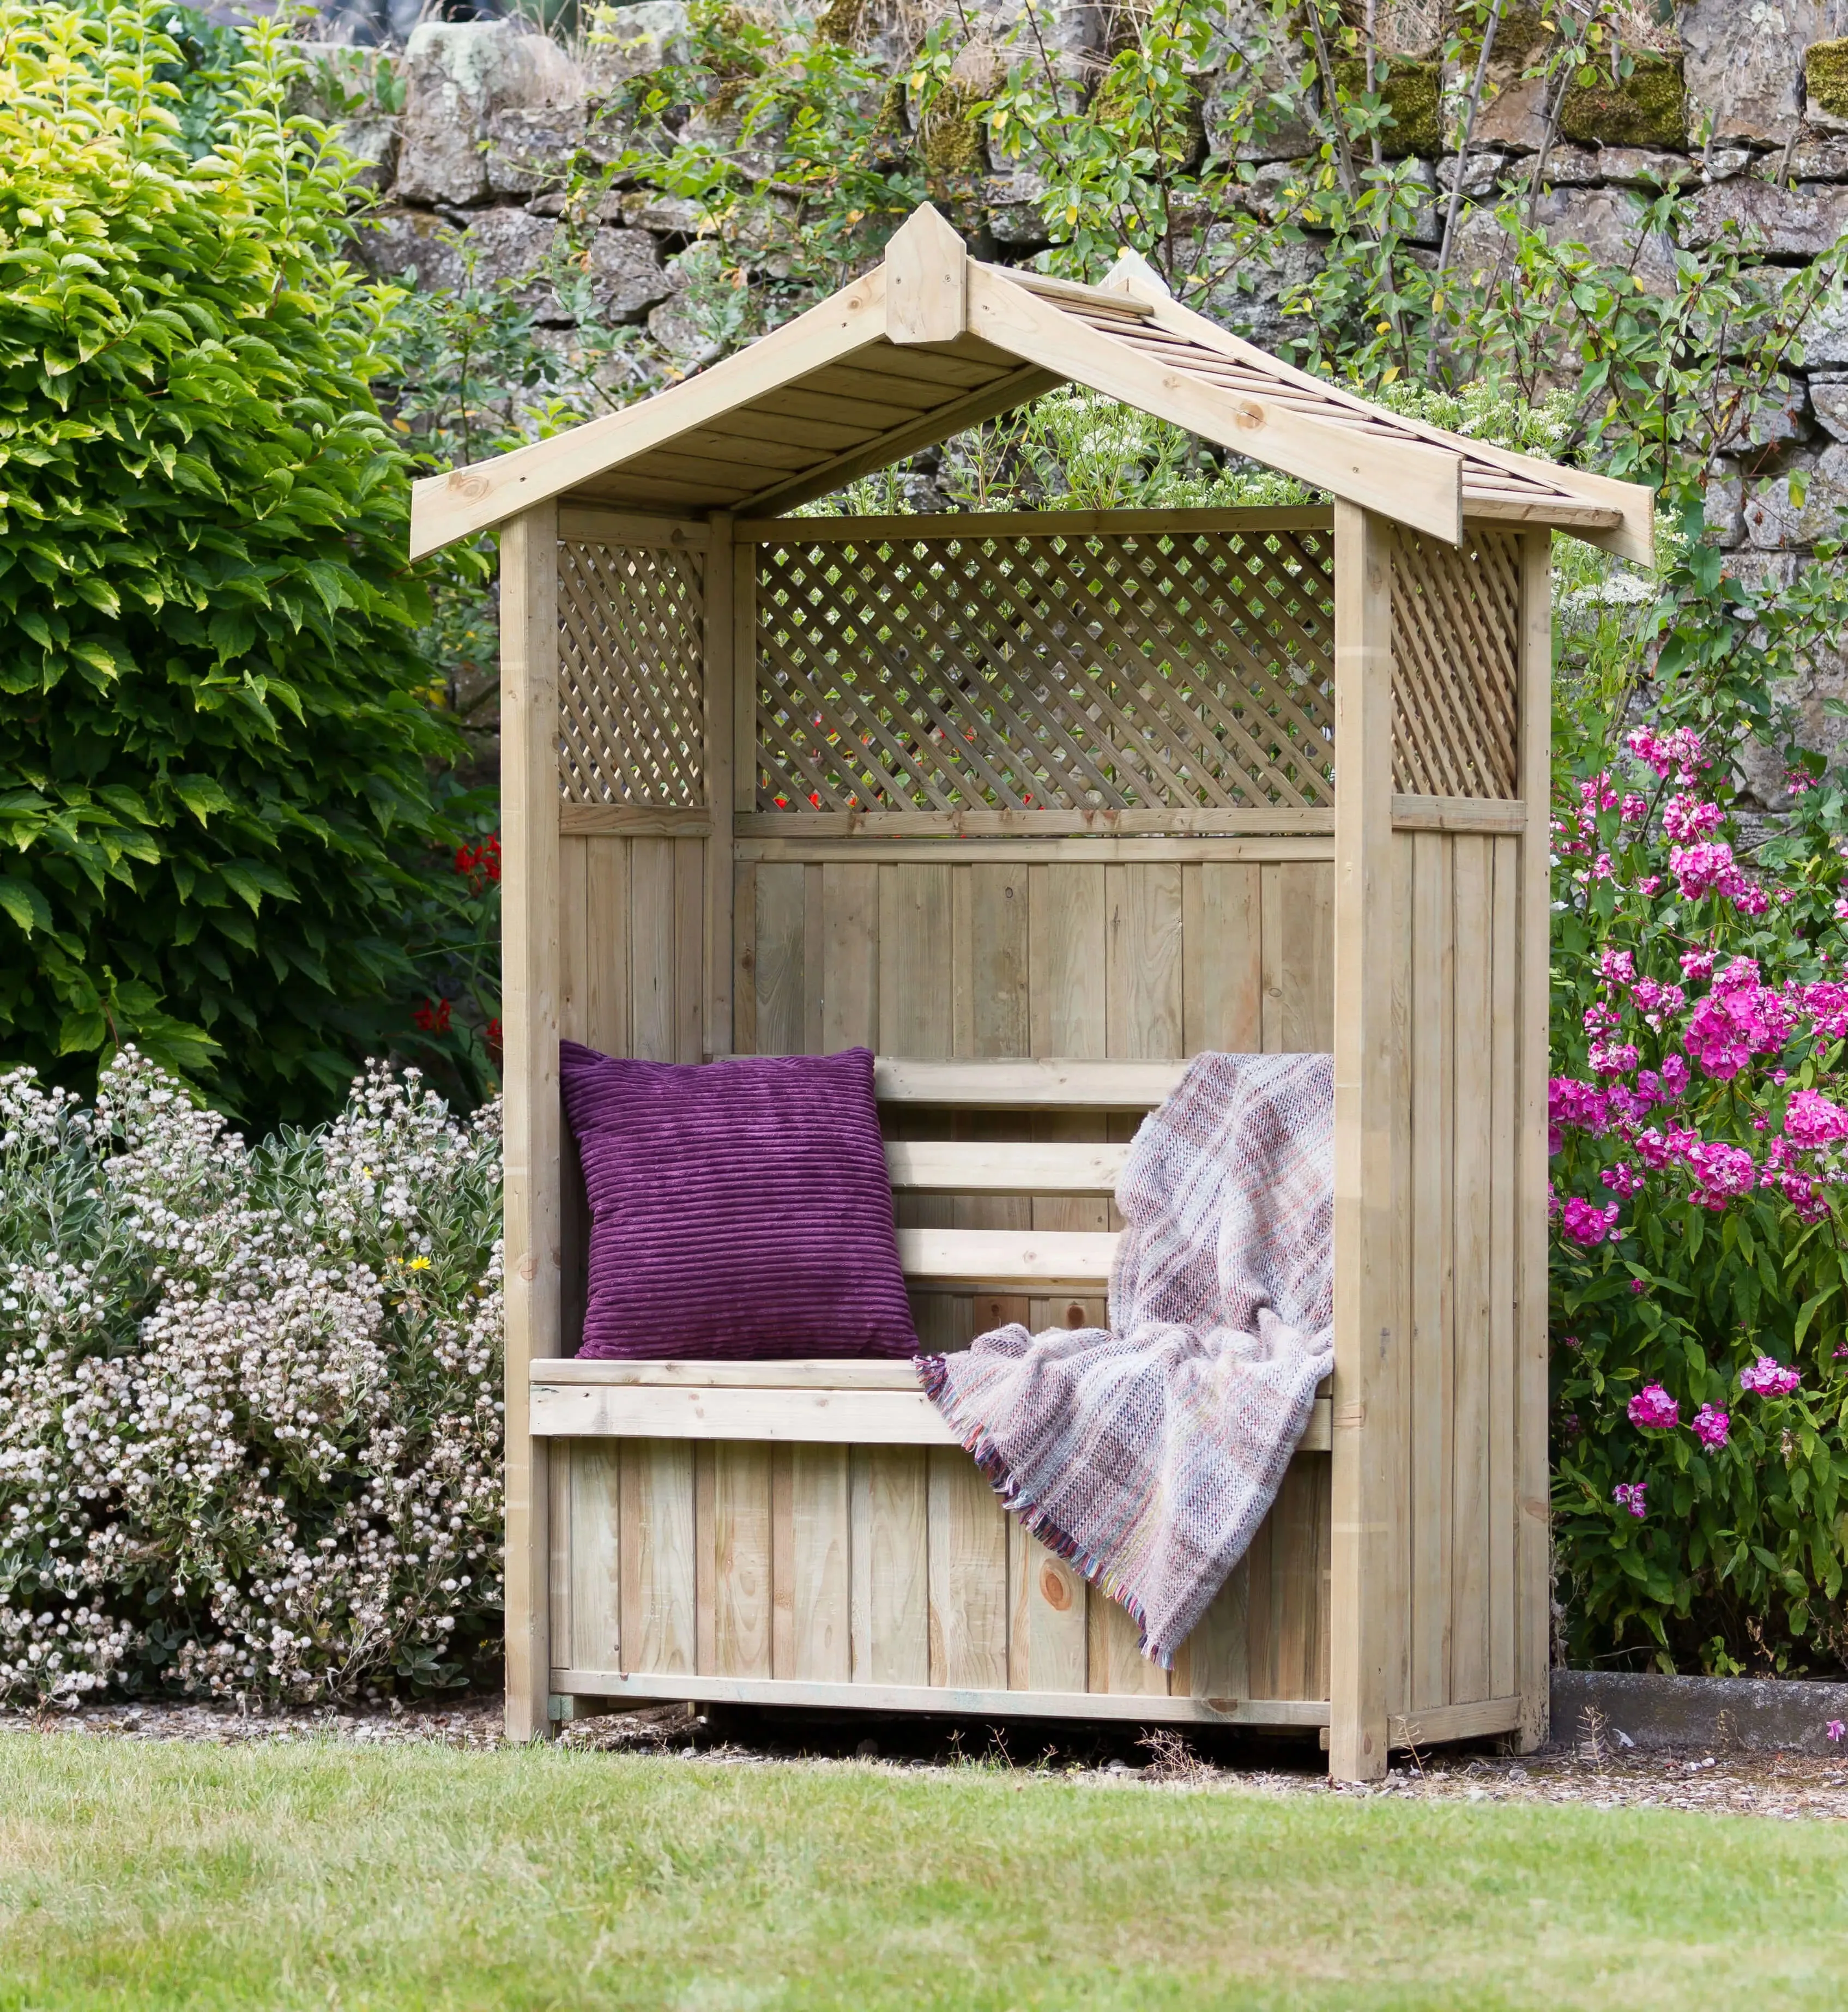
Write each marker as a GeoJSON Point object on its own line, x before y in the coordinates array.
{"type": "Point", "coordinates": [530, 1019]}
{"type": "Point", "coordinates": [1369, 1453]}
{"type": "Point", "coordinates": [1533, 1554]}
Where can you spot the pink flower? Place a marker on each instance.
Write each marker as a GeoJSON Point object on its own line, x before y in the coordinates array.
{"type": "Point", "coordinates": [1612, 1058]}
{"type": "Point", "coordinates": [1721, 1172]}
{"type": "Point", "coordinates": [1638, 1286]}
{"type": "Point", "coordinates": [1697, 966]}
{"type": "Point", "coordinates": [1738, 1019]}
{"type": "Point", "coordinates": [1710, 1427]}
{"type": "Point", "coordinates": [1570, 1341]}
{"type": "Point", "coordinates": [1598, 1017]}
{"type": "Point", "coordinates": [1622, 1178]}
{"type": "Point", "coordinates": [1650, 885]}
{"type": "Point", "coordinates": [1584, 1224]}
{"type": "Point", "coordinates": [1799, 781]}
{"type": "Point", "coordinates": [1634, 809]}
{"type": "Point", "coordinates": [1811, 1120]}
{"type": "Point", "coordinates": [1842, 908]}
{"type": "Point", "coordinates": [1699, 870]}
{"type": "Point", "coordinates": [1581, 1105]}
{"type": "Point", "coordinates": [1836, 1731]}
{"type": "Point", "coordinates": [1679, 753]}
{"type": "Point", "coordinates": [1751, 900]}
{"type": "Point", "coordinates": [1767, 1378]}
{"type": "Point", "coordinates": [1629, 1495]}
{"type": "Point", "coordinates": [1617, 967]}
{"type": "Point", "coordinates": [1653, 1407]}
{"type": "Point", "coordinates": [1690, 819]}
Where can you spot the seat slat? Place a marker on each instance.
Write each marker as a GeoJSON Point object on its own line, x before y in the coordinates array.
{"type": "Point", "coordinates": [973, 1166]}
{"type": "Point", "coordinates": [651, 1406]}
{"type": "Point", "coordinates": [1074, 1259]}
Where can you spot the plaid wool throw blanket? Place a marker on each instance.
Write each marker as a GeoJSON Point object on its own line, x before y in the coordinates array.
{"type": "Point", "coordinates": [1148, 1453]}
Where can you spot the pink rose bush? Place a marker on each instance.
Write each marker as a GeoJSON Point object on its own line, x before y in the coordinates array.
{"type": "Point", "coordinates": [1698, 1123]}
{"type": "Point", "coordinates": [250, 1428]}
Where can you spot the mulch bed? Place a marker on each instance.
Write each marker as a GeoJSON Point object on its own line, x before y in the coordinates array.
{"type": "Point", "coordinates": [1590, 1768]}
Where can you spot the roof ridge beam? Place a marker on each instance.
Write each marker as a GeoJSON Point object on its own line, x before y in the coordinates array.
{"type": "Point", "coordinates": [1405, 481]}
{"type": "Point", "coordinates": [926, 269]}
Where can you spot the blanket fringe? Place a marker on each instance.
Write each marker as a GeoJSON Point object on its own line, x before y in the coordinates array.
{"type": "Point", "coordinates": [934, 1373]}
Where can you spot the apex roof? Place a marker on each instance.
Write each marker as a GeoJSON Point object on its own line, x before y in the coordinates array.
{"type": "Point", "coordinates": [932, 341]}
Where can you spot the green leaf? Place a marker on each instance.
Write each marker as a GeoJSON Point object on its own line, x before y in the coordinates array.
{"type": "Point", "coordinates": [25, 904]}
{"type": "Point", "coordinates": [201, 794]}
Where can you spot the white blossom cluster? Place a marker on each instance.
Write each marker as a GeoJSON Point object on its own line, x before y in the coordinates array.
{"type": "Point", "coordinates": [250, 1425]}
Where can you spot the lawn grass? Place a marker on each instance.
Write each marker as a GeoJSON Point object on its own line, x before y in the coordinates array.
{"type": "Point", "coordinates": [419, 1877]}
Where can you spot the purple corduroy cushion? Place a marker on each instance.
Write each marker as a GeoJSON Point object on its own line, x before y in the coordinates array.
{"type": "Point", "coordinates": [739, 1211]}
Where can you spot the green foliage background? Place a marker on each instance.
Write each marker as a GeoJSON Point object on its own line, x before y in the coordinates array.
{"type": "Point", "coordinates": [209, 694]}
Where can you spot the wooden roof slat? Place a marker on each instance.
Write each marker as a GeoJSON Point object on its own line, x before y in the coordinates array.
{"type": "Point", "coordinates": [931, 342]}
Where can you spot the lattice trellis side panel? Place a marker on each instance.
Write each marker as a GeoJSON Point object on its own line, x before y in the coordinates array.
{"type": "Point", "coordinates": [631, 677]}
{"type": "Point", "coordinates": [1046, 670]}
{"type": "Point", "coordinates": [1456, 651]}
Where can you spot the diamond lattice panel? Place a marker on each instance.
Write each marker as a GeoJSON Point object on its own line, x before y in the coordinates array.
{"type": "Point", "coordinates": [1456, 646]}
{"type": "Point", "coordinates": [631, 674]}
{"type": "Point", "coordinates": [1046, 670]}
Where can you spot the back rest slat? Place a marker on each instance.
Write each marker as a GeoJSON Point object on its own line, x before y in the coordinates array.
{"type": "Point", "coordinates": [972, 1166]}
{"type": "Point", "coordinates": [1086, 1085]}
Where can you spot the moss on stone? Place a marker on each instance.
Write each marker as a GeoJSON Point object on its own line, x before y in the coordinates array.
{"type": "Point", "coordinates": [1648, 108]}
{"type": "Point", "coordinates": [1412, 92]}
{"type": "Point", "coordinates": [951, 141]}
{"type": "Point", "coordinates": [840, 24]}
{"type": "Point", "coordinates": [1825, 78]}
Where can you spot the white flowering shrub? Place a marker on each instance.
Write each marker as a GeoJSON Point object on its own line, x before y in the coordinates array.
{"type": "Point", "coordinates": [250, 1425]}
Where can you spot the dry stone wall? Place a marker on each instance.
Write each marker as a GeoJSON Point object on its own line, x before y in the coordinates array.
{"type": "Point", "coordinates": [1746, 103]}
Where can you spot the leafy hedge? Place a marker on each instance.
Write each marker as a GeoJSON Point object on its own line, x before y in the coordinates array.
{"type": "Point", "coordinates": [217, 748]}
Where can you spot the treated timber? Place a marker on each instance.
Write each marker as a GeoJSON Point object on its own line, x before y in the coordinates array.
{"type": "Point", "coordinates": [1367, 1451]}
{"type": "Point", "coordinates": [1301, 1714]}
{"type": "Point", "coordinates": [533, 1144]}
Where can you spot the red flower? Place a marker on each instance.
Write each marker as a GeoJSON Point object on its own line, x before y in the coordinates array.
{"type": "Point", "coordinates": [433, 1016]}
{"type": "Point", "coordinates": [481, 864]}
{"type": "Point", "coordinates": [493, 1038]}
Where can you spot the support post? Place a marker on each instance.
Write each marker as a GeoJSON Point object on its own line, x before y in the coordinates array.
{"type": "Point", "coordinates": [718, 636]}
{"type": "Point", "coordinates": [1368, 1448]}
{"type": "Point", "coordinates": [1533, 1559]}
{"type": "Point", "coordinates": [529, 801]}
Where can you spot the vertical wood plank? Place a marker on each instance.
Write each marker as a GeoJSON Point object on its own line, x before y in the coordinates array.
{"type": "Point", "coordinates": [821, 1592]}
{"type": "Point", "coordinates": [706, 1557]}
{"type": "Point", "coordinates": [1222, 961]}
{"type": "Point", "coordinates": [594, 1467]}
{"type": "Point", "coordinates": [607, 928]}
{"type": "Point", "coordinates": [657, 1623]}
{"type": "Point", "coordinates": [1219, 1664]}
{"type": "Point", "coordinates": [741, 1560]}
{"type": "Point", "coordinates": [1535, 728]}
{"type": "Point", "coordinates": [1503, 1511]}
{"type": "Point", "coordinates": [781, 935]}
{"type": "Point", "coordinates": [962, 960]}
{"type": "Point", "coordinates": [689, 950]}
{"type": "Point", "coordinates": [916, 998]}
{"type": "Point", "coordinates": [969, 1574]}
{"type": "Point", "coordinates": [719, 705]}
{"type": "Point", "coordinates": [1433, 1363]}
{"type": "Point", "coordinates": [558, 1468]}
{"type": "Point", "coordinates": [1368, 1438]}
{"type": "Point", "coordinates": [530, 1019]}
{"type": "Point", "coordinates": [1270, 900]}
{"type": "Point", "coordinates": [1115, 1666]}
{"type": "Point", "coordinates": [1299, 1579]}
{"type": "Point", "coordinates": [652, 946]}
{"type": "Point", "coordinates": [1065, 956]}
{"type": "Point", "coordinates": [782, 1561]}
{"type": "Point", "coordinates": [893, 1645]}
{"type": "Point", "coordinates": [850, 957]}
{"type": "Point", "coordinates": [1142, 975]}
{"type": "Point", "coordinates": [998, 960]}
{"type": "Point", "coordinates": [744, 960]}
{"type": "Point", "coordinates": [1305, 958]}
{"type": "Point", "coordinates": [576, 940]}
{"type": "Point", "coordinates": [1473, 1176]}
{"type": "Point", "coordinates": [814, 959]}
{"type": "Point", "coordinates": [1053, 1597]}
{"type": "Point", "coordinates": [1399, 1559]}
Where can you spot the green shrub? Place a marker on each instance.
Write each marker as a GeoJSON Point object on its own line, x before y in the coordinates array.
{"type": "Point", "coordinates": [216, 745]}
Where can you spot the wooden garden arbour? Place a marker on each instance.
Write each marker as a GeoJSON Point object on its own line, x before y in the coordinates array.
{"type": "Point", "coordinates": [981, 791]}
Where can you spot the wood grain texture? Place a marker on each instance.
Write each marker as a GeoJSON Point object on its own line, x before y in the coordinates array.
{"type": "Point", "coordinates": [892, 1596]}
{"type": "Point", "coordinates": [821, 1640]}
{"type": "Point", "coordinates": [1368, 1452]}
{"type": "Point", "coordinates": [594, 1531]}
{"type": "Point", "coordinates": [1142, 974]}
{"type": "Point", "coordinates": [850, 966]}
{"type": "Point", "coordinates": [968, 1575]}
{"type": "Point", "coordinates": [1222, 968]}
{"type": "Point", "coordinates": [740, 1596]}
{"type": "Point", "coordinates": [530, 1015]}
{"type": "Point", "coordinates": [1066, 955]}
{"type": "Point", "coordinates": [658, 1624]}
